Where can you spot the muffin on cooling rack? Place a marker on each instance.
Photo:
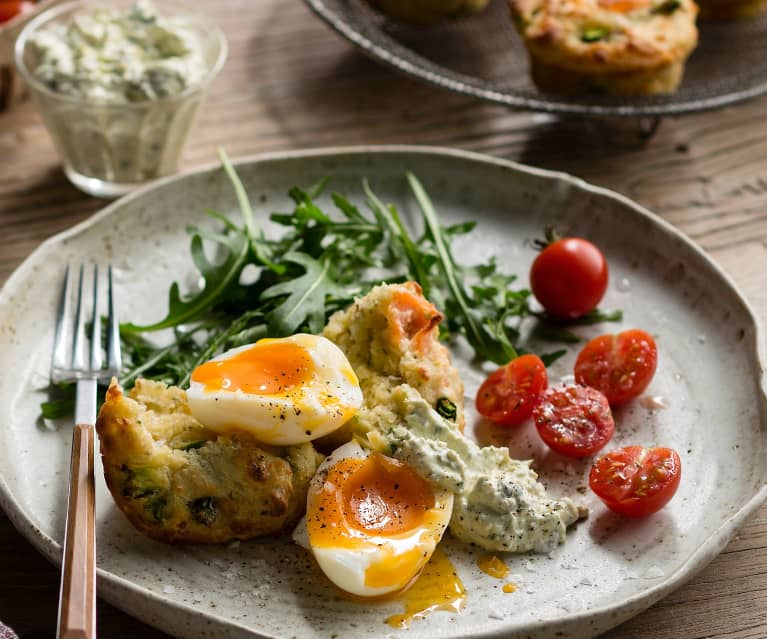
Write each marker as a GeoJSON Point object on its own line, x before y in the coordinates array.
{"type": "Point", "coordinates": [607, 47]}
{"type": "Point", "coordinates": [427, 11]}
{"type": "Point", "coordinates": [731, 9]}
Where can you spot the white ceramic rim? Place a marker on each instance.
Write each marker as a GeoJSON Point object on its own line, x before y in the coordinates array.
{"type": "Point", "coordinates": [114, 588]}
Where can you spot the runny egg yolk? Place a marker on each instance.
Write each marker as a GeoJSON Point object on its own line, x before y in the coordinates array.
{"type": "Point", "coordinates": [269, 367]}
{"type": "Point", "coordinates": [372, 522]}
{"type": "Point", "coordinates": [385, 496]}
{"type": "Point", "coordinates": [375, 495]}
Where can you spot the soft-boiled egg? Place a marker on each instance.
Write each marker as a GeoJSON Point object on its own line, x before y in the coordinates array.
{"type": "Point", "coordinates": [372, 522]}
{"type": "Point", "coordinates": [283, 391]}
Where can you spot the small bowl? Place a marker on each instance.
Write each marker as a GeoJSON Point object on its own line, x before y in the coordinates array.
{"type": "Point", "coordinates": [108, 150]}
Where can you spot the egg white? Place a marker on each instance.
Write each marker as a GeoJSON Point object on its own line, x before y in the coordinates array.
{"type": "Point", "coordinates": [409, 551]}
{"type": "Point", "coordinates": [317, 408]}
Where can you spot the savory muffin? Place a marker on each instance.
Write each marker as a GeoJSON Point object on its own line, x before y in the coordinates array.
{"type": "Point", "coordinates": [607, 47]}
{"type": "Point", "coordinates": [391, 338]}
{"type": "Point", "coordinates": [177, 481]}
{"type": "Point", "coordinates": [731, 9]}
{"type": "Point", "coordinates": [427, 11]}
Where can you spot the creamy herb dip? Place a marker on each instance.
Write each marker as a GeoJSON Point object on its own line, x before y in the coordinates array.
{"type": "Point", "coordinates": [499, 504]}
{"type": "Point", "coordinates": [115, 56]}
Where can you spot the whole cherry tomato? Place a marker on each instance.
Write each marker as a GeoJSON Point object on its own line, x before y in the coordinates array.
{"type": "Point", "coordinates": [569, 277]}
{"type": "Point", "coordinates": [620, 366]}
{"type": "Point", "coordinates": [636, 481]}
{"type": "Point", "coordinates": [574, 421]}
{"type": "Point", "coordinates": [509, 393]}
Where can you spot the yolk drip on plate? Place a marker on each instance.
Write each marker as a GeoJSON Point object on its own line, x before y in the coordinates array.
{"type": "Point", "coordinates": [493, 566]}
{"type": "Point", "coordinates": [437, 588]}
{"type": "Point", "coordinates": [269, 367]}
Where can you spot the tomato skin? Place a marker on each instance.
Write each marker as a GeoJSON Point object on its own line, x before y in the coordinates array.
{"type": "Point", "coordinates": [620, 366]}
{"type": "Point", "coordinates": [569, 277]}
{"type": "Point", "coordinates": [11, 8]}
{"type": "Point", "coordinates": [574, 421]}
{"type": "Point", "coordinates": [510, 393]}
{"type": "Point", "coordinates": [636, 481]}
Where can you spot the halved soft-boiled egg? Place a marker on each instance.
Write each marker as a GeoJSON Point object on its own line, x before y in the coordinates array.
{"type": "Point", "coordinates": [372, 522]}
{"type": "Point", "coordinates": [283, 391]}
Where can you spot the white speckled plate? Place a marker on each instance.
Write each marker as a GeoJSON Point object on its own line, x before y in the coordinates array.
{"type": "Point", "coordinates": [710, 375]}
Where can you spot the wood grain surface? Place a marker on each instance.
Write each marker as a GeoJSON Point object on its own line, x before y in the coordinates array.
{"type": "Point", "coordinates": [291, 83]}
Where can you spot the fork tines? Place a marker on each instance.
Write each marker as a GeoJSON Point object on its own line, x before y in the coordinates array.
{"type": "Point", "coordinates": [75, 355]}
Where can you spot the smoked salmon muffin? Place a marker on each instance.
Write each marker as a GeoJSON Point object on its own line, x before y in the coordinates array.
{"type": "Point", "coordinates": [177, 481]}
{"type": "Point", "coordinates": [391, 338]}
{"type": "Point", "coordinates": [607, 47]}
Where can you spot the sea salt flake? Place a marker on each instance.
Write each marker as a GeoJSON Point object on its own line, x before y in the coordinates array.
{"type": "Point", "coordinates": [231, 574]}
{"type": "Point", "coordinates": [653, 572]}
{"type": "Point", "coordinates": [169, 590]}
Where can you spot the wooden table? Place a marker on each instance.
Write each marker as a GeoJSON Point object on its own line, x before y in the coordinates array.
{"type": "Point", "coordinates": [291, 83]}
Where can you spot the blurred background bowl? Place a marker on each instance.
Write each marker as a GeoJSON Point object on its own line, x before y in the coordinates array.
{"type": "Point", "coordinates": [108, 149]}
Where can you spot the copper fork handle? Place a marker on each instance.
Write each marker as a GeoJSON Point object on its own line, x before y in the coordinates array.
{"type": "Point", "coordinates": [77, 597]}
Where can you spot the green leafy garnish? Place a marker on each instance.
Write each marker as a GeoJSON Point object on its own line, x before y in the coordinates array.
{"type": "Point", "coordinates": [57, 408]}
{"type": "Point", "coordinates": [194, 445]}
{"type": "Point", "coordinates": [253, 286]}
{"type": "Point", "coordinates": [304, 301]}
{"type": "Point", "coordinates": [446, 408]}
{"type": "Point", "coordinates": [594, 34]}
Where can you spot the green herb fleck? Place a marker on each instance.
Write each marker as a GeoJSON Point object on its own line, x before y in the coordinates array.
{"type": "Point", "coordinates": [194, 445]}
{"type": "Point", "coordinates": [447, 409]}
{"type": "Point", "coordinates": [594, 34]}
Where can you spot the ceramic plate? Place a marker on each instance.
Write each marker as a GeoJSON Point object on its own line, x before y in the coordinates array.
{"type": "Point", "coordinates": [709, 380]}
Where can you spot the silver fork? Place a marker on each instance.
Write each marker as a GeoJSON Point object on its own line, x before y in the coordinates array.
{"type": "Point", "coordinates": [77, 595]}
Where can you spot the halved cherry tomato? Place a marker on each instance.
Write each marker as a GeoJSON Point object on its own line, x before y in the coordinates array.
{"type": "Point", "coordinates": [569, 277]}
{"type": "Point", "coordinates": [509, 394]}
{"type": "Point", "coordinates": [620, 366]}
{"type": "Point", "coordinates": [636, 481]}
{"type": "Point", "coordinates": [575, 421]}
{"type": "Point", "coordinates": [11, 8]}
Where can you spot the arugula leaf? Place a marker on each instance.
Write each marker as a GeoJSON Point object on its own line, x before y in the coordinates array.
{"type": "Point", "coordinates": [217, 277]}
{"type": "Point", "coordinates": [305, 301]}
{"type": "Point", "coordinates": [57, 408]}
{"type": "Point", "coordinates": [403, 245]}
{"type": "Point", "coordinates": [255, 235]}
{"type": "Point", "coordinates": [490, 344]}
{"type": "Point", "coordinates": [597, 317]}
